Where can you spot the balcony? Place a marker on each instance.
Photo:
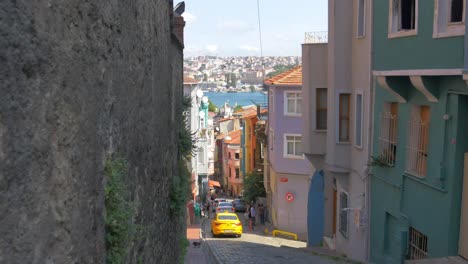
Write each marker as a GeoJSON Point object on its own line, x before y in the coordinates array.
{"type": "Point", "coordinates": [316, 37]}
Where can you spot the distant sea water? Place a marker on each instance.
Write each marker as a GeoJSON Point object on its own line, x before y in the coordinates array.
{"type": "Point", "coordinates": [242, 99]}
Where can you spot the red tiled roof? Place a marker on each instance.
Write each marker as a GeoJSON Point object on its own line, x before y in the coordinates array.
{"type": "Point", "coordinates": [290, 77]}
{"type": "Point", "coordinates": [188, 80]}
{"type": "Point", "coordinates": [235, 137]}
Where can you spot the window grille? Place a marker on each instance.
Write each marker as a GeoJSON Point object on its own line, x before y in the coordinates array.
{"type": "Point", "coordinates": [417, 244]}
{"type": "Point", "coordinates": [417, 145]}
{"type": "Point", "coordinates": [344, 214]}
{"type": "Point", "coordinates": [387, 138]}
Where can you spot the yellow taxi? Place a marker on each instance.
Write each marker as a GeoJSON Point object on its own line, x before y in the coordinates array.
{"type": "Point", "coordinates": [226, 223]}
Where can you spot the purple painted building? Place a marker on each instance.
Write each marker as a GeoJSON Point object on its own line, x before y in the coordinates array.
{"type": "Point", "coordinates": [290, 172]}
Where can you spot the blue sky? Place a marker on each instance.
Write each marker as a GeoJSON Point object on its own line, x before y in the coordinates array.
{"type": "Point", "coordinates": [230, 28]}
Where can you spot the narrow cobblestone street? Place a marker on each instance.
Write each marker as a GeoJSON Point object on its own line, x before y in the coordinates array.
{"type": "Point", "coordinates": [255, 247]}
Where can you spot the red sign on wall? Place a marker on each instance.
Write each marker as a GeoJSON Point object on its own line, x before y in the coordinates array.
{"type": "Point", "coordinates": [284, 179]}
{"type": "Point", "coordinates": [289, 197]}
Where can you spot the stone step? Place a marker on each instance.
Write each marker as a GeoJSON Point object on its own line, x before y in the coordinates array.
{"type": "Point", "coordinates": [446, 260]}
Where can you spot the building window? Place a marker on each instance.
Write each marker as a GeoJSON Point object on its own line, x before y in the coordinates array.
{"type": "Point", "coordinates": [271, 102]}
{"type": "Point", "coordinates": [403, 16]}
{"type": "Point", "coordinates": [344, 118]}
{"type": "Point", "coordinates": [237, 173]}
{"type": "Point", "coordinates": [418, 139]}
{"type": "Point", "coordinates": [456, 11]}
{"type": "Point", "coordinates": [230, 173]}
{"type": "Point", "coordinates": [321, 109]}
{"type": "Point", "coordinates": [449, 18]}
{"type": "Point", "coordinates": [343, 225]}
{"type": "Point", "coordinates": [229, 155]}
{"type": "Point", "coordinates": [388, 134]}
{"type": "Point", "coordinates": [417, 244]}
{"type": "Point", "coordinates": [271, 142]}
{"type": "Point", "coordinates": [236, 156]}
{"type": "Point", "coordinates": [358, 122]}
{"type": "Point", "coordinates": [361, 18]}
{"type": "Point", "coordinates": [292, 146]}
{"type": "Point", "coordinates": [293, 103]}
{"type": "Point", "coordinates": [201, 155]}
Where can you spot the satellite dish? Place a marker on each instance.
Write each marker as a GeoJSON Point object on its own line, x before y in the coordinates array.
{"type": "Point", "coordinates": [205, 99]}
{"type": "Point", "coordinates": [199, 93]}
{"type": "Point", "coordinates": [228, 138]}
{"type": "Point", "coordinates": [210, 155]}
{"type": "Point", "coordinates": [201, 114]}
{"type": "Point", "coordinates": [210, 122]}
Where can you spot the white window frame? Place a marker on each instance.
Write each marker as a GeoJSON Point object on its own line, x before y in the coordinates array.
{"type": "Point", "coordinates": [361, 138]}
{"type": "Point", "coordinates": [344, 210]}
{"type": "Point", "coordinates": [360, 16]}
{"type": "Point", "coordinates": [298, 96]}
{"type": "Point", "coordinates": [394, 21]}
{"type": "Point", "coordinates": [442, 28]}
{"type": "Point", "coordinates": [285, 147]}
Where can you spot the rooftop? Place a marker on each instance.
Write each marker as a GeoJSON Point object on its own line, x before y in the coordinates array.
{"type": "Point", "coordinates": [290, 77]}
{"type": "Point", "coordinates": [235, 137]}
{"type": "Point", "coordinates": [188, 80]}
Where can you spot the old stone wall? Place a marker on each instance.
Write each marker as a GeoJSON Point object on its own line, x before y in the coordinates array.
{"type": "Point", "coordinates": [80, 80]}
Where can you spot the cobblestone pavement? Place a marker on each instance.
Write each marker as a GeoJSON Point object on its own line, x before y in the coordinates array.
{"type": "Point", "coordinates": [257, 248]}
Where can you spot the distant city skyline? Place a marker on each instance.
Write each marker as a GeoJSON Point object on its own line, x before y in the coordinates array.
{"type": "Point", "coordinates": [231, 28]}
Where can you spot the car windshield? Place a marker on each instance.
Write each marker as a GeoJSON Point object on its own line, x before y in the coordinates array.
{"type": "Point", "coordinates": [227, 217]}
{"type": "Point", "coordinates": [225, 204]}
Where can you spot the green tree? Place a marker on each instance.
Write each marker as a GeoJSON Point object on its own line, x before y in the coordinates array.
{"type": "Point", "coordinates": [279, 69]}
{"type": "Point", "coordinates": [253, 187]}
{"type": "Point", "coordinates": [211, 107]}
{"type": "Point", "coordinates": [205, 77]}
{"type": "Point", "coordinates": [252, 88]}
{"type": "Point", "coordinates": [238, 108]}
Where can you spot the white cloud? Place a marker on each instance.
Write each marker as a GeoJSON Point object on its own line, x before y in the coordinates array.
{"type": "Point", "coordinates": [211, 48]}
{"type": "Point", "coordinates": [234, 26]}
{"type": "Point", "coordinates": [282, 37]}
{"type": "Point", "coordinates": [249, 48]}
{"type": "Point", "coordinates": [188, 17]}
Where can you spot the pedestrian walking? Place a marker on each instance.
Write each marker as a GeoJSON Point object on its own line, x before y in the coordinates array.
{"type": "Point", "coordinates": [261, 213]}
{"type": "Point", "coordinates": [252, 214]}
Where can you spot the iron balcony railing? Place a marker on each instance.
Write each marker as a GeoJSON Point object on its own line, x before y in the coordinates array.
{"type": "Point", "coordinates": [316, 37]}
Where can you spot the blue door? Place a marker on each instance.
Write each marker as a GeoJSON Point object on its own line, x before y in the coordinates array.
{"type": "Point", "coordinates": [315, 211]}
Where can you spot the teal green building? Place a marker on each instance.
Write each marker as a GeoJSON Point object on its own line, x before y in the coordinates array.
{"type": "Point", "coordinates": [420, 131]}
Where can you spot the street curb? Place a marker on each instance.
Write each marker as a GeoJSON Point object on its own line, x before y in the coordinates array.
{"type": "Point", "coordinates": [206, 246]}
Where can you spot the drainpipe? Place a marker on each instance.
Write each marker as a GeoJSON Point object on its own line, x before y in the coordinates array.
{"type": "Point", "coordinates": [371, 134]}
{"type": "Point", "coordinates": [465, 53]}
